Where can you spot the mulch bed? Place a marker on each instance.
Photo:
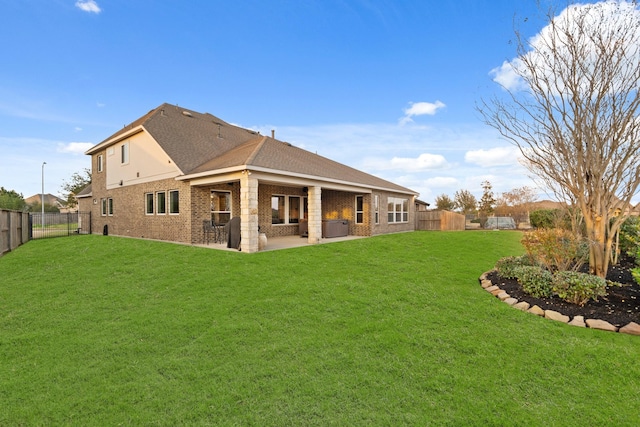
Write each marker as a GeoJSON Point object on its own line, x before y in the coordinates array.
{"type": "Point", "coordinates": [619, 307]}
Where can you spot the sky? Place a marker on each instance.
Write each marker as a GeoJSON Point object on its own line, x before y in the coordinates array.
{"type": "Point", "coordinates": [388, 87]}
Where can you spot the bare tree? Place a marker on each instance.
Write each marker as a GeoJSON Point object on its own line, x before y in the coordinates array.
{"type": "Point", "coordinates": [516, 203]}
{"type": "Point", "coordinates": [574, 114]}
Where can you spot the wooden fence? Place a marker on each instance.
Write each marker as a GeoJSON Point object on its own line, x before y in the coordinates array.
{"type": "Point", "coordinates": [14, 230]}
{"type": "Point", "coordinates": [439, 220]}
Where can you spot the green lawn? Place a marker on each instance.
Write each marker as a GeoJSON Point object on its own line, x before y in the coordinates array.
{"type": "Point", "coordinates": [390, 330]}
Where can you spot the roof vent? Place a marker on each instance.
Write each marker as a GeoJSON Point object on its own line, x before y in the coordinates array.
{"type": "Point", "coordinates": [188, 114]}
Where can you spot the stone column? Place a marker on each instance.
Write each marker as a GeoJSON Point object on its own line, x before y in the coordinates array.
{"type": "Point", "coordinates": [248, 213]}
{"type": "Point", "coordinates": [314, 199]}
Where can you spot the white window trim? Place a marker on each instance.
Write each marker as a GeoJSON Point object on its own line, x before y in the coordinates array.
{"type": "Point", "coordinates": [169, 202]}
{"type": "Point", "coordinates": [100, 163]}
{"type": "Point", "coordinates": [376, 209]}
{"type": "Point", "coordinates": [394, 201]}
{"type": "Point", "coordinates": [110, 206]}
{"type": "Point", "coordinates": [153, 204]}
{"type": "Point", "coordinates": [103, 207]}
{"type": "Point", "coordinates": [301, 208]}
{"type": "Point", "coordinates": [125, 153]}
{"type": "Point", "coordinates": [230, 211]}
{"type": "Point", "coordinates": [357, 211]}
{"type": "Point", "coordinates": [158, 203]}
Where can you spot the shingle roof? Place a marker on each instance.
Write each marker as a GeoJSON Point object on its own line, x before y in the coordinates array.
{"type": "Point", "coordinates": [200, 142]}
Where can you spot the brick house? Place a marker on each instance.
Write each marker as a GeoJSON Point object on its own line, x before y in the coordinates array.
{"type": "Point", "coordinates": [166, 173]}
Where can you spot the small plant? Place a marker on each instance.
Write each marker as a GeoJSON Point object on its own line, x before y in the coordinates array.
{"type": "Point", "coordinates": [535, 281]}
{"type": "Point", "coordinates": [578, 288]}
{"type": "Point", "coordinates": [507, 266]}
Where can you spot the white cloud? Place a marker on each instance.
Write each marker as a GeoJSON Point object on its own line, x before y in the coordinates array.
{"type": "Point", "coordinates": [74, 147]}
{"type": "Point", "coordinates": [420, 109]}
{"type": "Point", "coordinates": [442, 181]}
{"type": "Point", "coordinates": [498, 156]}
{"type": "Point", "coordinates": [506, 76]}
{"type": "Point", "coordinates": [88, 6]}
{"type": "Point", "coordinates": [613, 17]}
{"type": "Point", "coordinates": [423, 162]}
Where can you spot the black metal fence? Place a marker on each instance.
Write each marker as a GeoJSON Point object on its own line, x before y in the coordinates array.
{"type": "Point", "coordinates": [54, 224]}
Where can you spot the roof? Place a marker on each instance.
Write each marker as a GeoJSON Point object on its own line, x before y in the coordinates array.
{"type": "Point", "coordinates": [49, 199]}
{"type": "Point", "coordinates": [199, 143]}
{"type": "Point", "coordinates": [85, 192]}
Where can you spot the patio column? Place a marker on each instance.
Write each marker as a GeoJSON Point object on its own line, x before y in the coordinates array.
{"type": "Point", "coordinates": [248, 213]}
{"type": "Point", "coordinates": [314, 199]}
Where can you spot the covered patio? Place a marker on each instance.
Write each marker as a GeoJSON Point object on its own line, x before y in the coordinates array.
{"type": "Point", "coordinates": [283, 242]}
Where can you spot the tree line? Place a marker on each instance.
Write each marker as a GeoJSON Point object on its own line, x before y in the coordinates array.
{"type": "Point", "coordinates": [510, 203]}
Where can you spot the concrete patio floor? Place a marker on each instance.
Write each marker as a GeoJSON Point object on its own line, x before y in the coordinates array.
{"type": "Point", "coordinates": [286, 242]}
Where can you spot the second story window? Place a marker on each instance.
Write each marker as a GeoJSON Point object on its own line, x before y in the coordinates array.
{"type": "Point", "coordinates": [124, 153]}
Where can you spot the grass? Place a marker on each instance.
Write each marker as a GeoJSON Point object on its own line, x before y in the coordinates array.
{"type": "Point", "coordinates": [391, 330]}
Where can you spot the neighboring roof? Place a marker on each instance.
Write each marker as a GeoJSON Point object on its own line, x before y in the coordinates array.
{"type": "Point", "coordinates": [85, 192]}
{"type": "Point", "coordinates": [422, 202]}
{"type": "Point", "coordinates": [199, 143]}
{"type": "Point", "coordinates": [49, 199]}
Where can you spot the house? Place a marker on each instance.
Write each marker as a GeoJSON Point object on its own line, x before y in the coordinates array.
{"type": "Point", "coordinates": [49, 199]}
{"type": "Point", "coordinates": [167, 173]}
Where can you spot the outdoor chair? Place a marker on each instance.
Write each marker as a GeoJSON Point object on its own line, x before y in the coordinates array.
{"type": "Point", "coordinates": [208, 231]}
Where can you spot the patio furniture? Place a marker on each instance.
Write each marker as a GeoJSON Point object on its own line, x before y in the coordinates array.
{"type": "Point", "coordinates": [208, 231]}
{"type": "Point", "coordinates": [335, 228]}
{"type": "Point", "coordinates": [220, 232]}
{"type": "Point", "coordinates": [233, 233]}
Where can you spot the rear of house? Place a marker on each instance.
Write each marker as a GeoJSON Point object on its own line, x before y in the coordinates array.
{"type": "Point", "coordinates": [170, 172]}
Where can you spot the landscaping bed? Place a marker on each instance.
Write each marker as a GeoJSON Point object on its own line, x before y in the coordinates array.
{"type": "Point", "coordinates": [619, 307]}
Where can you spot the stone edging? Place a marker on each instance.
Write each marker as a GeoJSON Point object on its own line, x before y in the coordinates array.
{"type": "Point", "coordinates": [631, 328]}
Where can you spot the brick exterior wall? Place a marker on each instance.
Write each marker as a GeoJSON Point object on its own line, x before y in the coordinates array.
{"type": "Point", "coordinates": [130, 219]}
{"type": "Point", "coordinates": [129, 209]}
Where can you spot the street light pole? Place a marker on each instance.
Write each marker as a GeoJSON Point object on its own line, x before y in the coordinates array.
{"type": "Point", "coordinates": [42, 201]}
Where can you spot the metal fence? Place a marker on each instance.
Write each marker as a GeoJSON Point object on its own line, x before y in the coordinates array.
{"type": "Point", "coordinates": [54, 224]}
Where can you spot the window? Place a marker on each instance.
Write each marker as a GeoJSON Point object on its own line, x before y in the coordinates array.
{"type": "Point", "coordinates": [294, 209]}
{"type": "Point", "coordinates": [398, 210]}
{"type": "Point", "coordinates": [220, 207]}
{"type": "Point", "coordinates": [110, 206]}
{"type": "Point", "coordinates": [174, 202]}
{"type": "Point", "coordinates": [288, 209]}
{"type": "Point", "coordinates": [148, 199]}
{"type": "Point", "coordinates": [124, 153]}
{"type": "Point", "coordinates": [277, 209]}
{"type": "Point", "coordinates": [376, 208]}
{"type": "Point", "coordinates": [161, 202]}
{"type": "Point", "coordinates": [103, 207]}
{"type": "Point", "coordinates": [100, 164]}
{"type": "Point", "coordinates": [359, 209]}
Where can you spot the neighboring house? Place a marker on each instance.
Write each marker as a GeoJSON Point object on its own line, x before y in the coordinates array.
{"type": "Point", "coordinates": [166, 173]}
{"type": "Point", "coordinates": [49, 199]}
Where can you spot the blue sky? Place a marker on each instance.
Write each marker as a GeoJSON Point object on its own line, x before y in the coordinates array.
{"type": "Point", "coordinates": [388, 87]}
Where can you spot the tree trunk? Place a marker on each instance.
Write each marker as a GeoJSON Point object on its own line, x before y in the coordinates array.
{"type": "Point", "coordinates": [598, 255]}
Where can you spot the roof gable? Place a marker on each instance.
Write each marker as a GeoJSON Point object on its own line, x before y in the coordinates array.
{"type": "Point", "coordinates": [200, 142]}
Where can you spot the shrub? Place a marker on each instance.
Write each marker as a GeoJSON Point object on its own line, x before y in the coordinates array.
{"type": "Point", "coordinates": [535, 281]}
{"type": "Point", "coordinates": [507, 266]}
{"type": "Point", "coordinates": [550, 218]}
{"type": "Point", "coordinates": [556, 249]}
{"type": "Point", "coordinates": [629, 235]}
{"type": "Point", "coordinates": [578, 288]}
